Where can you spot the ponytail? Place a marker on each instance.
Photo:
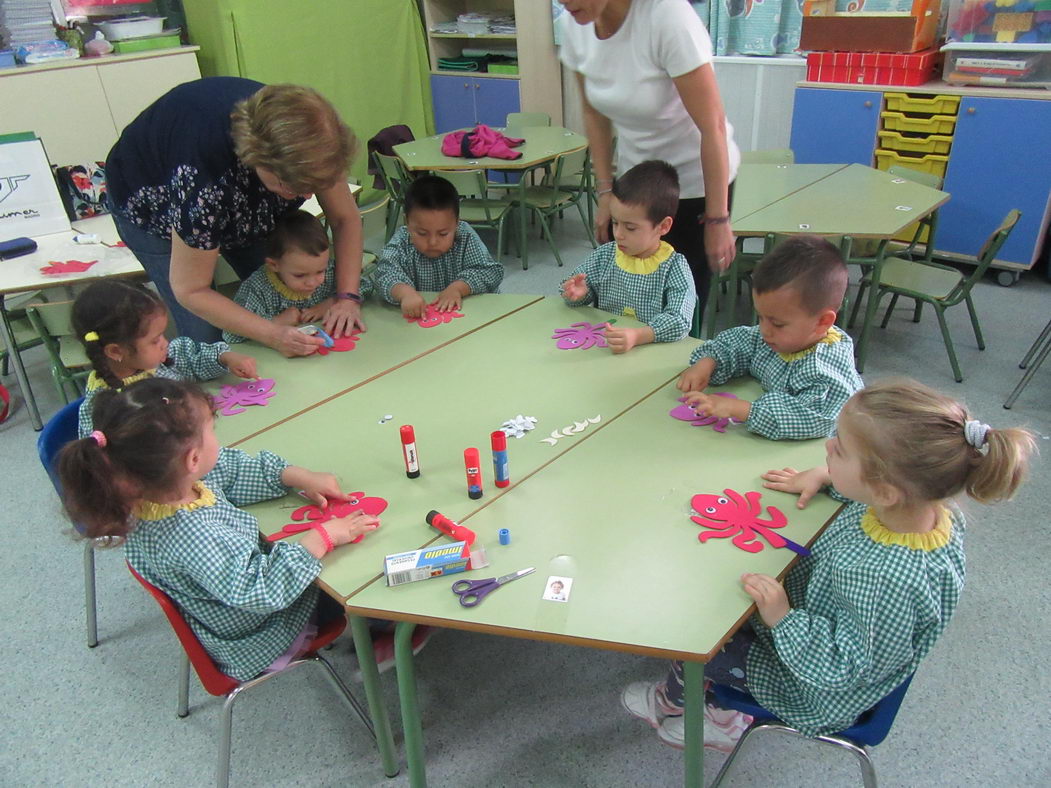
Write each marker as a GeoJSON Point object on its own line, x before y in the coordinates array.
{"type": "Point", "coordinates": [996, 474]}
{"type": "Point", "coordinates": [92, 493]}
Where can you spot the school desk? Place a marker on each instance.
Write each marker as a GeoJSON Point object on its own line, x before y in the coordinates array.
{"type": "Point", "coordinates": [613, 513]}
{"type": "Point", "coordinates": [759, 185]}
{"type": "Point", "coordinates": [855, 200]}
{"type": "Point", "coordinates": [542, 143]}
{"type": "Point", "coordinates": [22, 274]}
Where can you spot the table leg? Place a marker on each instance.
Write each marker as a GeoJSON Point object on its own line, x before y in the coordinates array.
{"type": "Point", "coordinates": [20, 370]}
{"type": "Point", "coordinates": [693, 675]}
{"type": "Point", "coordinates": [410, 707]}
{"type": "Point", "coordinates": [373, 695]}
{"type": "Point", "coordinates": [870, 305]}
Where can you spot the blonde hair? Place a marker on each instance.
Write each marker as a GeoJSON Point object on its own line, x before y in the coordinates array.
{"type": "Point", "coordinates": [295, 133]}
{"type": "Point", "coordinates": [912, 437]}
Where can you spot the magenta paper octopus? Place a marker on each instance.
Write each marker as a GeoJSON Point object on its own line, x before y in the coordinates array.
{"type": "Point", "coordinates": [687, 413]}
{"type": "Point", "coordinates": [67, 267]}
{"type": "Point", "coordinates": [315, 515]}
{"type": "Point", "coordinates": [432, 317]}
{"type": "Point", "coordinates": [234, 398]}
{"type": "Point", "coordinates": [732, 514]}
{"type": "Point", "coordinates": [340, 345]}
{"type": "Point", "coordinates": [580, 336]}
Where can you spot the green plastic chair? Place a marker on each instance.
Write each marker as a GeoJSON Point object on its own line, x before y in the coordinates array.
{"type": "Point", "coordinates": [771, 156]}
{"type": "Point", "coordinates": [69, 364]}
{"type": "Point", "coordinates": [395, 179]}
{"type": "Point", "coordinates": [477, 208]}
{"type": "Point", "coordinates": [941, 286]}
{"type": "Point", "coordinates": [22, 330]}
{"type": "Point", "coordinates": [518, 120]}
{"type": "Point", "coordinates": [373, 226]}
{"type": "Point", "coordinates": [927, 225]}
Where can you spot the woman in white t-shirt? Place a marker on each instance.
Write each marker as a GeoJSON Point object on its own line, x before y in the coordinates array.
{"type": "Point", "coordinates": [645, 71]}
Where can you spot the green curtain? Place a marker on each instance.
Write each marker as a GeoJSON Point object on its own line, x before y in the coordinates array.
{"type": "Point", "coordinates": [368, 57]}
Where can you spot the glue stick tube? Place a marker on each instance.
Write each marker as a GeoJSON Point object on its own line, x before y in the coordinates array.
{"type": "Point", "coordinates": [460, 533]}
{"type": "Point", "coordinates": [473, 467]}
{"type": "Point", "coordinates": [501, 473]}
{"type": "Point", "coordinates": [408, 448]}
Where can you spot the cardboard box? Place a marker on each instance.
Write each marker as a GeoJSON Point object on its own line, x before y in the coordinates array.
{"type": "Point", "coordinates": [872, 68]}
{"type": "Point", "coordinates": [876, 32]}
{"type": "Point", "coordinates": [424, 564]}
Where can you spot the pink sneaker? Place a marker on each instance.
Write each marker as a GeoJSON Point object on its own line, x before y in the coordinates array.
{"type": "Point", "coordinates": [722, 729]}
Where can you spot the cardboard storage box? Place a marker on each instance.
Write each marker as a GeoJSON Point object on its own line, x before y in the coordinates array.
{"type": "Point", "coordinates": [872, 68]}
{"type": "Point", "coordinates": [876, 32]}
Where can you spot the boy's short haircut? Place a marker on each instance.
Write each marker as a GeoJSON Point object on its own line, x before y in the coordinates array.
{"type": "Point", "coordinates": [297, 229]}
{"type": "Point", "coordinates": [811, 266]}
{"type": "Point", "coordinates": [431, 193]}
{"type": "Point", "coordinates": [653, 185]}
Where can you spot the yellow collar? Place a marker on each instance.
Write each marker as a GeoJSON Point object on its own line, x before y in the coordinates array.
{"type": "Point", "coordinates": [643, 265]}
{"type": "Point", "coordinates": [931, 540]}
{"type": "Point", "coordinates": [831, 337]}
{"type": "Point", "coordinates": [148, 510]}
{"type": "Point", "coordinates": [95, 382]}
{"type": "Point", "coordinates": [283, 289]}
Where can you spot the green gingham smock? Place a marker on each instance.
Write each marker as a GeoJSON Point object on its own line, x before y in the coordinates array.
{"type": "Point", "coordinates": [656, 290]}
{"type": "Point", "coordinates": [467, 260]}
{"type": "Point", "coordinates": [187, 360]}
{"type": "Point", "coordinates": [245, 599]}
{"type": "Point", "coordinates": [867, 606]}
{"type": "Point", "coordinates": [267, 296]}
{"type": "Point", "coordinates": [804, 391]}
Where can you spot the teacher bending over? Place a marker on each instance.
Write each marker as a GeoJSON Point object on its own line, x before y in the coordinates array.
{"type": "Point", "coordinates": [645, 70]}
{"type": "Point", "coordinates": [208, 168]}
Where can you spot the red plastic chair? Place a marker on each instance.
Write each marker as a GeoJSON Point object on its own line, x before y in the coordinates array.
{"type": "Point", "coordinates": [219, 684]}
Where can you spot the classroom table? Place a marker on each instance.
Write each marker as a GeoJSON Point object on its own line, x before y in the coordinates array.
{"type": "Point", "coordinates": [759, 185]}
{"type": "Point", "coordinates": [23, 274]}
{"type": "Point", "coordinates": [854, 200]}
{"type": "Point", "coordinates": [542, 144]}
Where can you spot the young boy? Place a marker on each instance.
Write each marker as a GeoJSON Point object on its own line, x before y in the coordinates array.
{"type": "Point", "coordinates": [637, 274]}
{"type": "Point", "coordinates": [297, 283]}
{"type": "Point", "coordinates": [434, 251]}
{"type": "Point", "coordinates": [804, 363]}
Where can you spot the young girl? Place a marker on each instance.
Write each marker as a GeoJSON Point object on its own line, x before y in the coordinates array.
{"type": "Point", "coordinates": [153, 472]}
{"type": "Point", "coordinates": [121, 326]}
{"type": "Point", "coordinates": [857, 616]}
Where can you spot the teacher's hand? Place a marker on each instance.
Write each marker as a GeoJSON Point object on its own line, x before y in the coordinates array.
{"type": "Point", "coordinates": [291, 342]}
{"type": "Point", "coordinates": [602, 217]}
{"type": "Point", "coordinates": [719, 246]}
{"type": "Point", "coordinates": [343, 317]}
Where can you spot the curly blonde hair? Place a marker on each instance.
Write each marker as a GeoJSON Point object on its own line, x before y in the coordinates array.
{"type": "Point", "coordinates": [295, 133]}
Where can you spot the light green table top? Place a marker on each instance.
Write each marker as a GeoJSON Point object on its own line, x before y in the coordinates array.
{"type": "Point", "coordinates": [614, 514]}
{"type": "Point", "coordinates": [389, 342]}
{"type": "Point", "coordinates": [856, 200]}
{"type": "Point", "coordinates": [542, 143]}
{"type": "Point", "coordinates": [760, 185]}
{"type": "Point", "coordinates": [455, 397]}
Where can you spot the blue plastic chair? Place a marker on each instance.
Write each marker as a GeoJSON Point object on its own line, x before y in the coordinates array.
{"type": "Point", "coordinates": [60, 430]}
{"type": "Point", "coordinates": [870, 729]}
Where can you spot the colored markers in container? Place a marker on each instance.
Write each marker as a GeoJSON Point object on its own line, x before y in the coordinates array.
{"type": "Point", "coordinates": [472, 465]}
{"type": "Point", "coordinates": [501, 473]}
{"type": "Point", "coordinates": [408, 448]}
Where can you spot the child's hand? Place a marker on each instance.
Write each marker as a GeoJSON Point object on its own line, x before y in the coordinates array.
{"type": "Point", "coordinates": [769, 596]}
{"type": "Point", "coordinates": [576, 287]}
{"type": "Point", "coordinates": [413, 305]}
{"type": "Point", "coordinates": [319, 488]}
{"type": "Point", "coordinates": [696, 377]}
{"type": "Point", "coordinates": [806, 483]}
{"type": "Point", "coordinates": [311, 314]}
{"type": "Point", "coordinates": [621, 340]}
{"type": "Point", "coordinates": [719, 407]}
{"type": "Point", "coordinates": [239, 364]}
{"type": "Point", "coordinates": [343, 530]}
{"type": "Point", "coordinates": [448, 299]}
{"type": "Point", "coordinates": [290, 317]}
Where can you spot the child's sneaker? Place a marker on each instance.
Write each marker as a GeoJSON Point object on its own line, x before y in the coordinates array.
{"type": "Point", "coordinates": [641, 699]}
{"type": "Point", "coordinates": [383, 648]}
{"type": "Point", "coordinates": [722, 729]}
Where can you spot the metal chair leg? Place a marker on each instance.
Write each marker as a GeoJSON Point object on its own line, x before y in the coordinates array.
{"type": "Point", "coordinates": [1039, 341]}
{"type": "Point", "coordinates": [183, 707]}
{"type": "Point", "coordinates": [753, 728]}
{"type": "Point", "coordinates": [862, 286]}
{"type": "Point", "coordinates": [344, 690]}
{"type": "Point", "coordinates": [974, 323]}
{"type": "Point", "coordinates": [890, 309]}
{"type": "Point", "coordinates": [222, 774]}
{"type": "Point", "coordinates": [948, 343]}
{"type": "Point", "coordinates": [1033, 367]}
{"type": "Point", "coordinates": [547, 234]}
{"type": "Point", "coordinates": [90, 608]}
{"type": "Point", "coordinates": [918, 311]}
{"type": "Point", "coordinates": [868, 771]}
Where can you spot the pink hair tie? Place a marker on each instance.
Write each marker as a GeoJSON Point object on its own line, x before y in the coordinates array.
{"type": "Point", "coordinates": [99, 437]}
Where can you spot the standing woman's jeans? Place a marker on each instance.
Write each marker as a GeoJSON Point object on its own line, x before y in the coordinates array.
{"type": "Point", "coordinates": [155, 256]}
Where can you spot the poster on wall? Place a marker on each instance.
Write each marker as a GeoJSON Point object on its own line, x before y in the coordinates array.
{"type": "Point", "coordinates": [29, 201]}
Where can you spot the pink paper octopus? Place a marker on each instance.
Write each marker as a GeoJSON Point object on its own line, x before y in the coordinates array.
{"type": "Point", "coordinates": [687, 413]}
{"type": "Point", "coordinates": [234, 398]}
{"type": "Point", "coordinates": [580, 336]}
{"type": "Point", "coordinates": [732, 514]}
{"type": "Point", "coordinates": [314, 515]}
{"type": "Point", "coordinates": [340, 345]}
{"type": "Point", "coordinates": [432, 317]}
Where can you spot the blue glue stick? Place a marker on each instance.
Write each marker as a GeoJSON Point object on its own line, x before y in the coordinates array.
{"type": "Point", "coordinates": [500, 470]}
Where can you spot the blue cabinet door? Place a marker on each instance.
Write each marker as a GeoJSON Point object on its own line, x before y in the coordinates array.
{"type": "Point", "coordinates": [453, 98]}
{"type": "Point", "coordinates": [494, 99]}
{"type": "Point", "coordinates": [999, 161]}
{"type": "Point", "coordinates": [835, 126]}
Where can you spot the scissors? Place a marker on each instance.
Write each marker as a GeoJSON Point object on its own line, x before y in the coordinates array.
{"type": "Point", "coordinates": [472, 592]}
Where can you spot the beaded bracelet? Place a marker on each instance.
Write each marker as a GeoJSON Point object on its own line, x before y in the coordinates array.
{"type": "Point", "coordinates": [329, 547]}
{"type": "Point", "coordinates": [715, 219]}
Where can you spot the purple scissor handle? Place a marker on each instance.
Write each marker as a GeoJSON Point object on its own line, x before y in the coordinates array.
{"type": "Point", "coordinates": [472, 592]}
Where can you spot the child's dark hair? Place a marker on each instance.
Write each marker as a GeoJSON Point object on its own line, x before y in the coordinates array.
{"type": "Point", "coordinates": [432, 193]}
{"type": "Point", "coordinates": [112, 311]}
{"type": "Point", "coordinates": [811, 266]}
{"type": "Point", "coordinates": [143, 431]}
{"type": "Point", "coordinates": [297, 229]}
{"type": "Point", "coordinates": [653, 185]}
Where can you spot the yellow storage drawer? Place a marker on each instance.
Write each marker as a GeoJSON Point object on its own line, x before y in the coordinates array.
{"type": "Point", "coordinates": [929, 143]}
{"type": "Point", "coordinates": [932, 162]}
{"type": "Point", "coordinates": [924, 124]}
{"type": "Point", "coordinates": [935, 105]}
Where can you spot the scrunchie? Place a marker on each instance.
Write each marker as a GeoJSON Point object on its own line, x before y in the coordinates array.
{"type": "Point", "coordinates": [99, 438]}
{"type": "Point", "coordinates": [975, 433]}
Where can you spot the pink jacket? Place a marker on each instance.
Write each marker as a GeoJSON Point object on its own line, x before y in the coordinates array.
{"type": "Point", "coordinates": [482, 141]}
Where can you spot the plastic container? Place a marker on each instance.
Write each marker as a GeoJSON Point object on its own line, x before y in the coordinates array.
{"type": "Point", "coordinates": [999, 22]}
{"type": "Point", "coordinates": [998, 65]}
{"type": "Point", "coordinates": [131, 27]}
{"type": "Point", "coordinates": [169, 39]}
{"type": "Point", "coordinates": [923, 124]}
{"type": "Point", "coordinates": [503, 68]}
{"type": "Point", "coordinates": [935, 105]}
{"type": "Point", "coordinates": [872, 68]}
{"type": "Point", "coordinates": [933, 163]}
{"type": "Point", "coordinates": [473, 24]}
{"type": "Point", "coordinates": [923, 143]}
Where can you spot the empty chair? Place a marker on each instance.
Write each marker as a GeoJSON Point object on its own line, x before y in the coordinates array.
{"type": "Point", "coordinates": [69, 363]}
{"type": "Point", "coordinates": [395, 178]}
{"type": "Point", "coordinates": [518, 120]}
{"type": "Point", "coordinates": [476, 207]}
